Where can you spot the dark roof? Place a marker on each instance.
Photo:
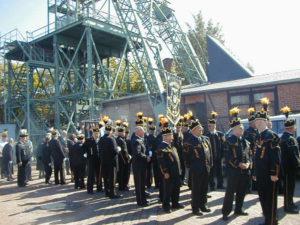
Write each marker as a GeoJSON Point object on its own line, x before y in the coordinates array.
{"type": "Point", "coordinates": [222, 65]}
{"type": "Point", "coordinates": [254, 81]}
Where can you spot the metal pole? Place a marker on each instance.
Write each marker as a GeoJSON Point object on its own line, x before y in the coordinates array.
{"type": "Point", "coordinates": [89, 70]}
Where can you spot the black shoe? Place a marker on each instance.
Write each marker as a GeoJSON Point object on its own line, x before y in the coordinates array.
{"type": "Point", "coordinates": [197, 213]}
{"type": "Point", "coordinates": [212, 188]}
{"type": "Point", "coordinates": [241, 213]}
{"type": "Point", "coordinates": [221, 187]}
{"type": "Point", "coordinates": [99, 190]}
{"type": "Point", "coordinates": [178, 206]}
{"type": "Point", "coordinates": [147, 194]}
{"type": "Point", "coordinates": [90, 192]}
{"type": "Point", "coordinates": [115, 196]}
{"type": "Point", "coordinates": [294, 206]}
{"type": "Point", "coordinates": [208, 196]}
{"type": "Point", "coordinates": [62, 183]}
{"type": "Point", "coordinates": [167, 210]}
{"type": "Point", "coordinates": [145, 204]}
{"type": "Point", "coordinates": [205, 209]}
{"type": "Point", "coordinates": [225, 218]}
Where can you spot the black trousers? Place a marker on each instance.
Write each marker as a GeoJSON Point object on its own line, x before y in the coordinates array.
{"type": "Point", "coordinates": [109, 176]}
{"type": "Point", "coordinates": [216, 171]}
{"type": "Point", "coordinates": [289, 188]}
{"type": "Point", "coordinates": [127, 176]}
{"type": "Point", "coordinates": [22, 175]}
{"type": "Point", "coordinates": [48, 172]}
{"type": "Point", "coordinates": [58, 169]}
{"type": "Point", "coordinates": [94, 175]}
{"type": "Point", "coordinates": [237, 185]}
{"type": "Point", "coordinates": [171, 191]}
{"type": "Point", "coordinates": [267, 192]}
{"type": "Point", "coordinates": [149, 175]}
{"type": "Point", "coordinates": [78, 172]}
{"type": "Point", "coordinates": [139, 183]}
{"type": "Point", "coordinates": [199, 185]}
{"type": "Point", "coordinates": [123, 176]}
{"type": "Point", "coordinates": [182, 165]}
{"type": "Point", "coordinates": [28, 171]}
{"type": "Point", "coordinates": [156, 173]}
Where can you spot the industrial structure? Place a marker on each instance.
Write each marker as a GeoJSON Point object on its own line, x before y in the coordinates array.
{"type": "Point", "coordinates": [60, 74]}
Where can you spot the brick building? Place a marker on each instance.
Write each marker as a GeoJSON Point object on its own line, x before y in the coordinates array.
{"type": "Point", "coordinates": [282, 88]}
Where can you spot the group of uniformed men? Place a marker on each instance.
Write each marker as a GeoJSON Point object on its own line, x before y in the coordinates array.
{"type": "Point", "coordinates": [184, 155]}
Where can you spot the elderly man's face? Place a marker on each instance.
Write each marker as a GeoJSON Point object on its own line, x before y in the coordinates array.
{"type": "Point", "coordinates": [198, 131]}
{"type": "Point", "coordinates": [260, 124]}
{"type": "Point", "coordinates": [141, 132]}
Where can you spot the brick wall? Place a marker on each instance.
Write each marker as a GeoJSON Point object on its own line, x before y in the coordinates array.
{"type": "Point", "coordinates": [218, 102]}
{"type": "Point", "coordinates": [289, 94]}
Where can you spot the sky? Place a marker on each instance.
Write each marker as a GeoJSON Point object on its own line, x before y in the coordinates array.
{"type": "Point", "coordinates": [264, 33]}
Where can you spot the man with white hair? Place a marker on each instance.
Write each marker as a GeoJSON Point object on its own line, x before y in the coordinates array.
{"type": "Point", "coordinates": [267, 165]}
{"type": "Point", "coordinates": [238, 162]}
{"type": "Point", "coordinates": [22, 157]}
{"type": "Point", "coordinates": [139, 163]}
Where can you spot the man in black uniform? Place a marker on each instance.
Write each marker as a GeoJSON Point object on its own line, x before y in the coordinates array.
{"type": "Point", "coordinates": [158, 181]}
{"type": "Point", "coordinates": [169, 164]}
{"type": "Point", "coordinates": [92, 149]}
{"type": "Point", "coordinates": [129, 150]}
{"type": "Point", "coordinates": [290, 161]}
{"type": "Point", "coordinates": [58, 158]}
{"type": "Point", "coordinates": [150, 151]}
{"type": "Point", "coordinates": [251, 135]}
{"type": "Point", "coordinates": [109, 160]}
{"type": "Point", "coordinates": [22, 157]}
{"type": "Point", "coordinates": [200, 158]}
{"type": "Point", "coordinates": [139, 162]}
{"type": "Point", "coordinates": [123, 156]}
{"type": "Point", "coordinates": [217, 140]}
{"type": "Point", "coordinates": [178, 144]}
{"type": "Point", "coordinates": [267, 165]}
{"type": "Point", "coordinates": [187, 119]}
{"type": "Point", "coordinates": [78, 162]}
{"type": "Point", "coordinates": [238, 161]}
{"type": "Point", "coordinates": [46, 158]}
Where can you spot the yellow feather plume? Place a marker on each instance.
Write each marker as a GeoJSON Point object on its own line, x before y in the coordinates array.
{"type": "Point", "coordinates": [105, 119]}
{"type": "Point", "coordinates": [214, 114]}
{"type": "Point", "coordinates": [118, 122]}
{"type": "Point", "coordinates": [265, 101]}
{"type": "Point", "coordinates": [140, 114]}
{"type": "Point", "coordinates": [234, 111]}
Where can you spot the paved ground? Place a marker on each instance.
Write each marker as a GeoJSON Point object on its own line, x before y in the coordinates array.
{"type": "Point", "coordinates": [43, 204]}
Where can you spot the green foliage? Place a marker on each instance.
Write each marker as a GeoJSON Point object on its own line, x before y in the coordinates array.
{"type": "Point", "coordinates": [197, 34]}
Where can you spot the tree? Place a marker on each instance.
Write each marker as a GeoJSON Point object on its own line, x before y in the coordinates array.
{"type": "Point", "coordinates": [197, 35]}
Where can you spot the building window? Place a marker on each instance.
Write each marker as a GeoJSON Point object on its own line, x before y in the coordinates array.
{"type": "Point", "coordinates": [239, 100]}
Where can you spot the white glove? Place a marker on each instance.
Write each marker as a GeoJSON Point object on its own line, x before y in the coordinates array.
{"type": "Point", "coordinates": [119, 148]}
{"type": "Point", "coordinates": [84, 155]}
{"type": "Point", "coordinates": [49, 164]}
{"type": "Point", "coordinates": [10, 162]}
{"type": "Point", "coordinates": [150, 153]}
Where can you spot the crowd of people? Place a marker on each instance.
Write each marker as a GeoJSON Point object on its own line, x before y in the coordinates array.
{"type": "Point", "coordinates": [256, 159]}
